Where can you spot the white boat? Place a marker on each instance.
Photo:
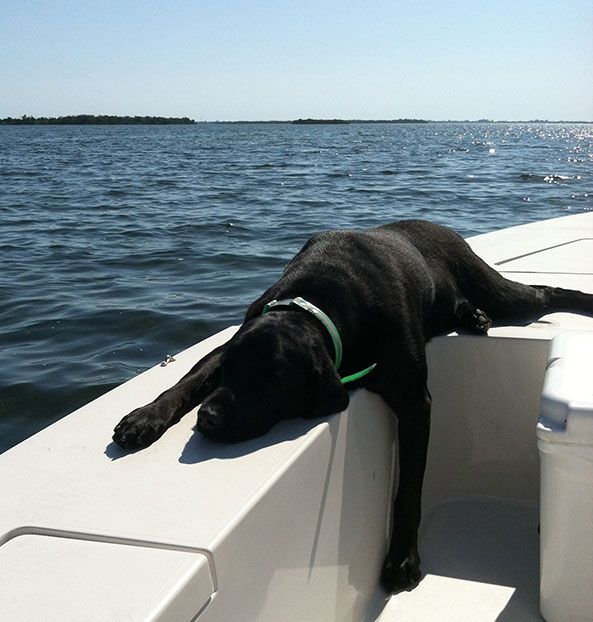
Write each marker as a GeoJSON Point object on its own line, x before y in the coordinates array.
{"type": "Point", "coordinates": [293, 526]}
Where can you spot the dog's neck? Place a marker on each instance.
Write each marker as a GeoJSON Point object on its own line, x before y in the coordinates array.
{"type": "Point", "coordinates": [319, 315]}
{"type": "Point", "coordinates": [301, 322]}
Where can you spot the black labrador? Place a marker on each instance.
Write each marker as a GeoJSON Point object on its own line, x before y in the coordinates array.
{"type": "Point", "coordinates": [386, 292]}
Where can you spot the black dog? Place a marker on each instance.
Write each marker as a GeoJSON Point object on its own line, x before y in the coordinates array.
{"type": "Point", "coordinates": [388, 290]}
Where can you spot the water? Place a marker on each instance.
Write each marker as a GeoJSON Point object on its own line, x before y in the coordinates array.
{"type": "Point", "coordinates": [119, 245]}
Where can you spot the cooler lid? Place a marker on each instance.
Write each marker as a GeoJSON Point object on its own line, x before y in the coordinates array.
{"type": "Point", "coordinates": [44, 577]}
{"type": "Point", "coordinates": [566, 409]}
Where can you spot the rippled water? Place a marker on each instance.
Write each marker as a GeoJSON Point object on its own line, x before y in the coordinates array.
{"type": "Point", "coordinates": [122, 244]}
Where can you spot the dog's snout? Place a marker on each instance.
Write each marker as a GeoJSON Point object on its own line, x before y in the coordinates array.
{"type": "Point", "coordinates": [215, 416]}
{"type": "Point", "coordinates": [210, 419]}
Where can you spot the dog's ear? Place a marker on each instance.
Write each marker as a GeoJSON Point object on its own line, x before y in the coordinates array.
{"type": "Point", "coordinates": [332, 397]}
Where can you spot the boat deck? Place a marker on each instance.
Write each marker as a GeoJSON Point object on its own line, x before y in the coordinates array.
{"type": "Point", "coordinates": [294, 525]}
{"type": "Point", "coordinates": [480, 561]}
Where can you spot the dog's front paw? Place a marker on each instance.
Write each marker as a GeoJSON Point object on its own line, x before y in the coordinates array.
{"type": "Point", "coordinates": [139, 429]}
{"type": "Point", "coordinates": [400, 577]}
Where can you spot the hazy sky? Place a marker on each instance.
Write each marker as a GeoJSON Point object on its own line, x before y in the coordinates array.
{"type": "Point", "coordinates": [224, 59]}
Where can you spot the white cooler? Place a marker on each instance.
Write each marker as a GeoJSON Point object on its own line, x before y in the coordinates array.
{"type": "Point", "coordinates": [565, 442]}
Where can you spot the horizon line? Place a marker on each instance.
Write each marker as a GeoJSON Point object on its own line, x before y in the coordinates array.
{"type": "Point", "coordinates": [22, 120]}
{"type": "Point", "coordinates": [395, 120]}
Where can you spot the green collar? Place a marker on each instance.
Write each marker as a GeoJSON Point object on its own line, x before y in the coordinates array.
{"type": "Point", "coordinates": [330, 327]}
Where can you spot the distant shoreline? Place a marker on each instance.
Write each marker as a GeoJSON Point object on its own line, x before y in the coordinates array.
{"type": "Point", "coordinates": [147, 120]}
{"type": "Point", "coordinates": [347, 121]}
{"type": "Point", "coordinates": [90, 119]}
{"type": "Point", "coordinates": [384, 121]}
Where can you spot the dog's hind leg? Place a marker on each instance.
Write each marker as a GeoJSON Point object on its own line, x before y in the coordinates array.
{"type": "Point", "coordinates": [505, 300]}
{"type": "Point", "coordinates": [508, 301]}
{"type": "Point", "coordinates": [560, 299]}
{"type": "Point", "coordinates": [148, 423]}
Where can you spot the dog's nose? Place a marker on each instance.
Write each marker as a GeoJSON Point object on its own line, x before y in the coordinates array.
{"type": "Point", "coordinates": [210, 419]}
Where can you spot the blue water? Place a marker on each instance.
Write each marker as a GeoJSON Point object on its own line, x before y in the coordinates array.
{"type": "Point", "coordinates": [121, 244]}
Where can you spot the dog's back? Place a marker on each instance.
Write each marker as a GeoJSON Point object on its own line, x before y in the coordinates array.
{"type": "Point", "coordinates": [414, 269]}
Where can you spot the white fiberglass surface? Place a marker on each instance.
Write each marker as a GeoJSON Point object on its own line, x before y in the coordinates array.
{"type": "Point", "coordinates": [480, 559]}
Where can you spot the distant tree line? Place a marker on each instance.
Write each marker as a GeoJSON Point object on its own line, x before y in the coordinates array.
{"type": "Point", "coordinates": [320, 121]}
{"type": "Point", "coordinates": [342, 121]}
{"type": "Point", "coordinates": [91, 119]}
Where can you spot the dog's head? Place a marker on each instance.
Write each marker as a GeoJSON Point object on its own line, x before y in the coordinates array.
{"type": "Point", "coordinates": [270, 370]}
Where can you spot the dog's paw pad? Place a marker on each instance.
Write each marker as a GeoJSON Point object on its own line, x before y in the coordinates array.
{"type": "Point", "coordinates": [482, 322]}
{"type": "Point", "coordinates": [472, 319]}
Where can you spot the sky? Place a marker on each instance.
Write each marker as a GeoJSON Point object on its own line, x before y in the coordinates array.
{"type": "Point", "coordinates": [261, 60]}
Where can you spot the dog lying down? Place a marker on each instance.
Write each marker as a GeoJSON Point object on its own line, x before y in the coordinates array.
{"type": "Point", "coordinates": [365, 302]}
